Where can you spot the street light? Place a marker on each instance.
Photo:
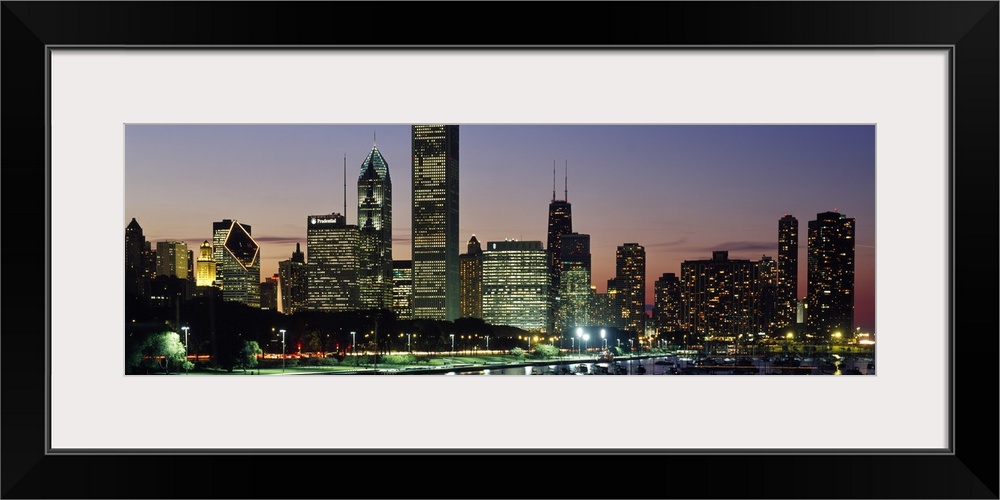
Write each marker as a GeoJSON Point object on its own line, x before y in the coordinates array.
{"type": "Point", "coordinates": [408, 343]}
{"type": "Point", "coordinates": [579, 332]}
{"type": "Point", "coordinates": [452, 343]}
{"type": "Point", "coordinates": [586, 338]}
{"type": "Point", "coordinates": [282, 351]}
{"type": "Point", "coordinates": [487, 343]}
{"type": "Point", "coordinates": [354, 351]}
{"type": "Point", "coordinates": [603, 334]}
{"type": "Point", "coordinates": [185, 328]}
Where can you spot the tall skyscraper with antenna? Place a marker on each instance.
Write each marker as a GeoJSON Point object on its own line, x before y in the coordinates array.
{"type": "Point", "coordinates": [560, 223]}
{"type": "Point", "coordinates": [435, 222]}
{"type": "Point", "coordinates": [375, 232]}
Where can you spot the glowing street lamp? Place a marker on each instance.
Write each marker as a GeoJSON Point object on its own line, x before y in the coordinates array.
{"type": "Point", "coordinates": [579, 333]}
{"type": "Point", "coordinates": [487, 343]}
{"type": "Point", "coordinates": [586, 338]}
{"type": "Point", "coordinates": [282, 351]}
{"type": "Point", "coordinates": [408, 343]}
{"type": "Point", "coordinates": [603, 334]}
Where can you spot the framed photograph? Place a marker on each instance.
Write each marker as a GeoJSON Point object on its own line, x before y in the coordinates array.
{"type": "Point", "coordinates": [882, 115]}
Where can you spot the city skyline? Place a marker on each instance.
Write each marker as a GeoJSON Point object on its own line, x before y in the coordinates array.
{"type": "Point", "coordinates": [681, 192]}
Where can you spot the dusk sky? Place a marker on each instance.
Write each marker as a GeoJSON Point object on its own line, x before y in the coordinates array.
{"type": "Point", "coordinates": [679, 191]}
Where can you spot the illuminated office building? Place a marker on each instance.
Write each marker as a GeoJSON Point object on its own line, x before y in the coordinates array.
{"type": "Point", "coordinates": [237, 262]}
{"type": "Point", "coordinates": [205, 268]}
{"type": "Point", "coordinates": [435, 222]}
{"type": "Point", "coordinates": [172, 259]}
{"type": "Point", "coordinates": [374, 233]}
{"type": "Point", "coordinates": [831, 275]}
{"type": "Point", "coordinates": [332, 269]}
{"type": "Point", "coordinates": [575, 294]}
{"type": "Point", "coordinates": [630, 276]}
{"type": "Point", "coordinates": [516, 284]}
{"type": "Point", "coordinates": [402, 288]}
{"type": "Point", "coordinates": [471, 280]}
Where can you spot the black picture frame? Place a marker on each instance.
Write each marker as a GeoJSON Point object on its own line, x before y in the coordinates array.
{"type": "Point", "coordinates": [969, 28]}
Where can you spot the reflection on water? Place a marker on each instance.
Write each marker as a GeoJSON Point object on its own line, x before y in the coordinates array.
{"type": "Point", "coordinates": [673, 365]}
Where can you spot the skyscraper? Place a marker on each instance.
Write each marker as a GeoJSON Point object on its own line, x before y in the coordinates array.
{"type": "Point", "coordinates": [471, 279]}
{"type": "Point", "coordinates": [292, 282]}
{"type": "Point", "coordinates": [667, 304]}
{"type": "Point", "coordinates": [831, 275]}
{"type": "Point", "coordinates": [786, 289]}
{"type": "Point", "coordinates": [237, 262]}
{"type": "Point", "coordinates": [205, 268]}
{"type": "Point", "coordinates": [332, 270]}
{"type": "Point", "coordinates": [172, 259]}
{"type": "Point", "coordinates": [270, 293]}
{"type": "Point", "coordinates": [435, 222]}
{"type": "Point", "coordinates": [717, 297]}
{"type": "Point", "coordinates": [402, 288]}
{"type": "Point", "coordinates": [575, 294]}
{"type": "Point", "coordinates": [375, 232]}
{"type": "Point", "coordinates": [135, 244]}
{"type": "Point", "coordinates": [560, 223]}
{"type": "Point", "coordinates": [516, 284]}
{"type": "Point", "coordinates": [630, 271]}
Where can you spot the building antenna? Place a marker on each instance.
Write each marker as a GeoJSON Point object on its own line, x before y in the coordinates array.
{"type": "Point", "coordinates": [345, 188]}
{"type": "Point", "coordinates": [553, 179]}
{"type": "Point", "coordinates": [566, 192]}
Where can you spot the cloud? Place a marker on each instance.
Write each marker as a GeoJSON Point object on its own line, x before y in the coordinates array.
{"type": "Point", "coordinates": [279, 239]}
{"type": "Point", "coordinates": [667, 243]}
{"type": "Point", "coordinates": [741, 246]}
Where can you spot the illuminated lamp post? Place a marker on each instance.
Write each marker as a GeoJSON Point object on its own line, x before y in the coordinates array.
{"type": "Point", "coordinates": [354, 350]}
{"type": "Point", "coordinates": [185, 328]}
{"type": "Point", "coordinates": [579, 333]}
{"type": "Point", "coordinates": [603, 339]}
{"type": "Point", "coordinates": [282, 351]}
{"type": "Point", "coordinates": [586, 338]}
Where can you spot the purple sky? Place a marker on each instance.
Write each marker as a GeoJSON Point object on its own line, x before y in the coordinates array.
{"type": "Point", "coordinates": [680, 191]}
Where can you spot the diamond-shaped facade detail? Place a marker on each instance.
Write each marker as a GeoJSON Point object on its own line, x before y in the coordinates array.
{"type": "Point", "coordinates": [241, 246]}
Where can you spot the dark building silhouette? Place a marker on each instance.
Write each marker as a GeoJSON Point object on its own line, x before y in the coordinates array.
{"type": "Point", "coordinates": [292, 282]}
{"type": "Point", "coordinates": [667, 304]}
{"type": "Point", "coordinates": [375, 232]}
{"type": "Point", "coordinates": [471, 271]}
{"type": "Point", "coordinates": [136, 279]}
{"type": "Point", "coordinates": [435, 222]}
{"type": "Point", "coordinates": [560, 223]}
{"type": "Point", "coordinates": [270, 293]}
{"type": "Point", "coordinates": [787, 283]}
{"type": "Point", "coordinates": [830, 285]}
